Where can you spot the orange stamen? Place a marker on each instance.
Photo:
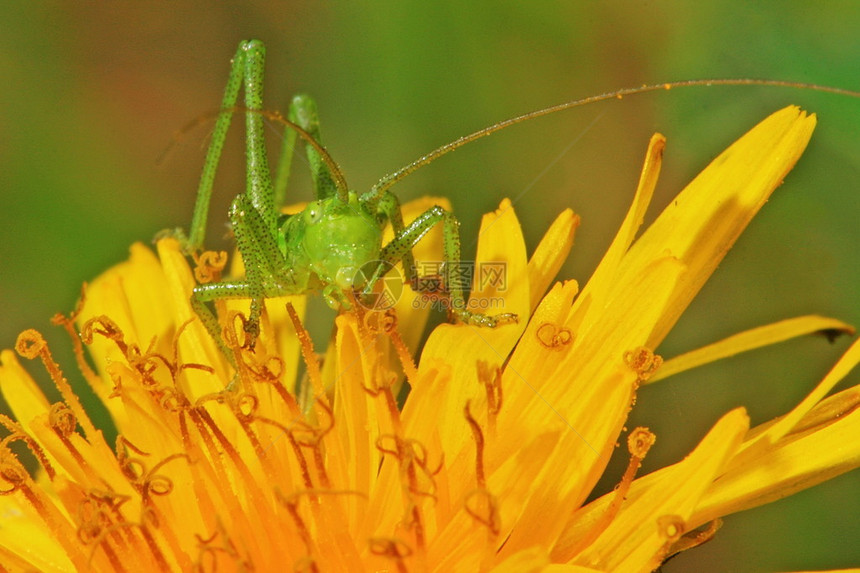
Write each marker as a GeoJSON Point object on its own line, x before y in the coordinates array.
{"type": "Point", "coordinates": [30, 345]}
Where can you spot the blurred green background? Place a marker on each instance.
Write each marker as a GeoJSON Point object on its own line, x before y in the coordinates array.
{"type": "Point", "coordinates": [92, 94]}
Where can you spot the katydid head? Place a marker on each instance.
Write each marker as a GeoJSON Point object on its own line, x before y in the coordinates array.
{"type": "Point", "coordinates": [338, 238]}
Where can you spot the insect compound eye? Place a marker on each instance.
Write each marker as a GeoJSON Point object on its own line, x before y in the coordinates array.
{"type": "Point", "coordinates": [314, 212]}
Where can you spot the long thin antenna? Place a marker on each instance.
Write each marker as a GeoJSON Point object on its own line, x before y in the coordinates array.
{"type": "Point", "coordinates": [386, 182]}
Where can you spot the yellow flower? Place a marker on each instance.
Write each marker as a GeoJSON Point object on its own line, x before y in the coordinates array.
{"type": "Point", "coordinates": [486, 466]}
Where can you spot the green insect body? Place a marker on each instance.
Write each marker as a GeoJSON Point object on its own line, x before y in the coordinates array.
{"type": "Point", "coordinates": [334, 245]}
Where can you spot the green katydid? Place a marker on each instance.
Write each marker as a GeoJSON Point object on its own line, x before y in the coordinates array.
{"type": "Point", "coordinates": [335, 244]}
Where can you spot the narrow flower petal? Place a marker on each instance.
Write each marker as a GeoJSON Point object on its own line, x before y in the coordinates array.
{"type": "Point", "coordinates": [127, 293]}
{"type": "Point", "coordinates": [20, 391]}
{"type": "Point", "coordinates": [841, 369]}
{"type": "Point", "coordinates": [26, 544]}
{"type": "Point", "coordinates": [750, 340]}
{"type": "Point", "coordinates": [550, 254]}
{"type": "Point", "coordinates": [433, 413]}
{"type": "Point", "coordinates": [605, 275]}
{"type": "Point", "coordinates": [533, 561]}
{"type": "Point", "coordinates": [501, 241]}
{"type": "Point", "coordinates": [588, 409]}
{"type": "Point", "coordinates": [702, 223]}
{"type": "Point", "coordinates": [824, 448]}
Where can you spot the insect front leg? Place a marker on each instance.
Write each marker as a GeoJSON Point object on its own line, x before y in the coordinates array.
{"type": "Point", "coordinates": [389, 207]}
{"type": "Point", "coordinates": [267, 274]}
{"type": "Point", "coordinates": [401, 247]}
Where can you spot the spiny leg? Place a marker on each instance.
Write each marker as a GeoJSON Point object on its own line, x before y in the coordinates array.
{"type": "Point", "coordinates": [265, 268]}
{"type": "Point", "coordinates": [197, 231]}
{"type": "Point", "coordinates": [258, 181]}
{"type": "Point", "coordinates": [403, 243]}
{"type": "Point", "coordinates": [261, 258]}
{"type": "Point", "coordinates": [252, 214]}
{"type": "Point", "coordinates": [284, 166]}
{"type": "Point", "coordinates": [303, 112]}
{"type": "Point", "coordinates": [206, 293]}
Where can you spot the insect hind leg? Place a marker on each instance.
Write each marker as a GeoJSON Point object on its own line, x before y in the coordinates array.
{"type": "Point", "coordinates": [266, 273]}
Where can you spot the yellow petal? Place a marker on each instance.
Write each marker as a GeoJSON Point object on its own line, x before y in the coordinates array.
{"type": "Point", "coordinates": [788, 422]}
{"type": "Point", "coordinates": [550, 254]}
{"type": "Point", "coordinates": [636, 540]}
{"type": "Point", "coordinates": [131, 293]}
{"type": "Point", "coordinates": [605, 275]}
{"type": "Point", "coordinates": [750, 340]}
{"type": "Point", "coordinates": [702, 223]}
{"type": "Point", "coordinates": [26, 544]}
{"type": "Point", "coordinates": [194, 345]}
{"type": "Point", "coordinates": [584, 393]}
{"type": "Point", "coordinates": [501, 241]}
{"type": "Point", "coordinates": [823, 445]}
